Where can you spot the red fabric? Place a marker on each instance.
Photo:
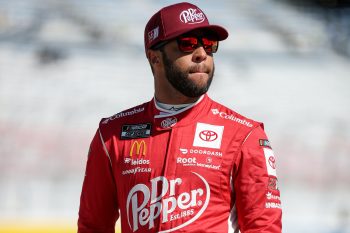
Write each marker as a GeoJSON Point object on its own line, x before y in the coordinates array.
{"type": "Point", "coordinates": [193, 172]}
{"type": "Point", "coordinates": [177, 19]}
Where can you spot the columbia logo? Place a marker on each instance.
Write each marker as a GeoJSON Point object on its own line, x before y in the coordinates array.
{"type": "Point", "coordinates": [215, 111]}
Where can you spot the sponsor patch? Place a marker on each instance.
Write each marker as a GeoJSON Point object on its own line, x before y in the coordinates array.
{"type": "Point", "coordinates": [186, 161]}
{"type": "Point", "coordinates": [231, 117]}
{"type": "Point", "coordinates": [153, 34]}
{"type": "Point", "coordinates": [138, 148]}
{"type": "Point", "coordinates": [134, 162]}
{"type": "Point", "coordinates": [193, 162]}
{"type": "Point", "coordinates": [209, 136]}
{"type": "Point", "coordinates": [137, 170]}
{"type": "Point", "coordinates": [192, 16]}
{"type": "Point", "coordinates": [264, 142]}
{"type": "Point", "coordinates": [136, 131]}
{"type": "Point", "coordinates": [168, 122]}
{"type": "Point", "coordinates": [185, 151]}
{"type": "Point", "coordinates": [271, 196]}
{"type": "Point", "coordinates": [167, 200]}
{"type": "Point", "coordinates": [272, 183]}
{"type": "Point", "coordinates": [270, 162]}
{"type": "Point", "coordinates": [272, 205]}
{"type": "Point", "coordinates": [123, 114]}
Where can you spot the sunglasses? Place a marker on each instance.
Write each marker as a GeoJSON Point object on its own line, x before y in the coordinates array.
{"type": "Point", "coordinates": [188, 43]}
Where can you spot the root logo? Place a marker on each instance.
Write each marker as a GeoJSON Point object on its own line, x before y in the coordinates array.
{"type": "Point", "coordinates": [165, 201]}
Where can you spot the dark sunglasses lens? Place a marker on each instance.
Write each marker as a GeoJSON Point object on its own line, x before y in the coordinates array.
{"type": "Point", "coordinates": [188, 44]}
{"type": "Point", "coordinates": [209, 45]}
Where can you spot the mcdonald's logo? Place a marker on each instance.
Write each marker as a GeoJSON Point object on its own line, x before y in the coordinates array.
{"type": "Point", "coordinates": [138, 148]}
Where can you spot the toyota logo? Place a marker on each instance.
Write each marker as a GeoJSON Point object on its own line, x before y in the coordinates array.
{"type": "Point", "coordinates": [208, 135]}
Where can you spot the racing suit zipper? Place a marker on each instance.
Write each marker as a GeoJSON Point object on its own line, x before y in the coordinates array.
{"type": "Point", "coordinates": [167, 164]}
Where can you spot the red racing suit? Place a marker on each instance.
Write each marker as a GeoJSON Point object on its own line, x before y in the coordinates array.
{"type": "Point", "coordinates": [203, 169]}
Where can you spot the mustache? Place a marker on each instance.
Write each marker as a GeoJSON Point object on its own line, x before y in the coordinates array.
{"type": "Point", "coordinates": [199, 68]}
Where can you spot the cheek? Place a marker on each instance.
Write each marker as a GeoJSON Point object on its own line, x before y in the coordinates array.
{"type": "Point", "coordinates": [210, 63]}
{"type": "Point", "coordinates": [183, 63]}
{"type": "Point", "coordinates": [183, 58]}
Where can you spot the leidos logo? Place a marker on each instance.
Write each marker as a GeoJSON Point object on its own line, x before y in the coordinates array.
{"type": "Point", "coordinates": [167, 200]}
{"type": "Point", "coordinates": [138, 148]}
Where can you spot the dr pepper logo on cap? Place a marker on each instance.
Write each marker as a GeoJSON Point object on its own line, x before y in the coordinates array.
{"type": "Point", "coordinates": [192, 16]}
{"type": "Point", "coordinates": [177, 19]}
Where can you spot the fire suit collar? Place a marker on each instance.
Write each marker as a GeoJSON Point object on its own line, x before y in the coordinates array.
{"type": "Point", "coordinates": [167, 113]}
{"type": "Point", "coordinates": [185, 116]}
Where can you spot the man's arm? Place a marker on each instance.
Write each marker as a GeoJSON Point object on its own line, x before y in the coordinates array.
{"type": "Point", "coordinates": [98, 211]}
{"type": "Point", "coordinates": [257, 196]}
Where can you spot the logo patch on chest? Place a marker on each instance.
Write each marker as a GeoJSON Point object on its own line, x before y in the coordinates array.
{"type": "Point", "coordinates": [207, 135]}
{"type": "Point", "coordinates": [136, 131]}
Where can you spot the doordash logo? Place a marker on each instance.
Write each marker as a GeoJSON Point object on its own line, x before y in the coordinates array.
{"type": "Point", "coordinates": [207, 135]}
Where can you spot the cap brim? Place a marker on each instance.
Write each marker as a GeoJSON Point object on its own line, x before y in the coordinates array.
{"type": "Point", "coordinates": [219, 31]}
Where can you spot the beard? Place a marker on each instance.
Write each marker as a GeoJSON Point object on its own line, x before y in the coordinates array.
{"type": "Point", "coordinates": [181, 82]}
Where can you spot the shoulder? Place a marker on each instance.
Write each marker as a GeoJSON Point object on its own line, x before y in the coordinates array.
{"type": "Point", "coordinates": [112, 125]}
{"type": "Point", "coordinates": [128, 113]}
{"type": "Point", "coordinates": [231, 117]}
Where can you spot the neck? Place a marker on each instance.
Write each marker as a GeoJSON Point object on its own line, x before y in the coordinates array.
{"type": "Point", "coordinates": [172, 108]}
{"type": "Point", "coordinates": [175, 98]}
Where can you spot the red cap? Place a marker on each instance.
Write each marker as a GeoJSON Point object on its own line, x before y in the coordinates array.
{"type": "Point", "coordinates": [174, 20]}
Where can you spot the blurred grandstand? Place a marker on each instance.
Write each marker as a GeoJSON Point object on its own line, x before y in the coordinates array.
{"type": "Point", "coordinates": [64, 64]}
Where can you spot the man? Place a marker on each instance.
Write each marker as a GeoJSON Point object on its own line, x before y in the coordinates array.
{"type": "Point", "coordinates": [181, 162]}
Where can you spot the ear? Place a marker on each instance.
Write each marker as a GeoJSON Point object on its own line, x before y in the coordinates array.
{"type": "Point", "coordinates": [153, 57]}
{"type": "Point", "coordinates": [155, 60]}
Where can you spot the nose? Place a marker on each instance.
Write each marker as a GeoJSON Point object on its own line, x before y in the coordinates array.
{"type": "Point", "coordinates": [199, 55]}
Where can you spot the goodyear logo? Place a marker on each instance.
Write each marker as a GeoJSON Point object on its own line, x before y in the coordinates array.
{"type": "Point", "coordinates": [138, 148]}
